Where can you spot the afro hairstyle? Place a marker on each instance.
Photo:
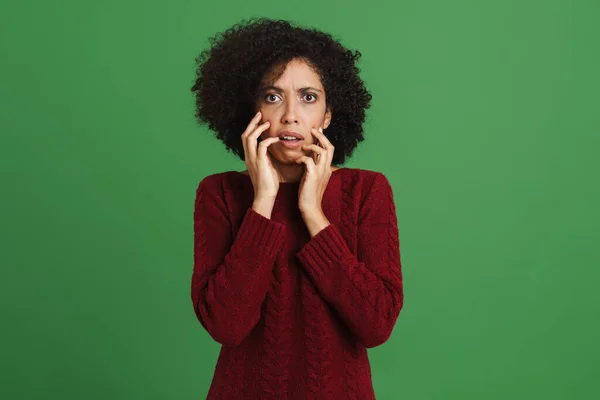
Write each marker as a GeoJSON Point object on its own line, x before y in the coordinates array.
{"type": "Point", "coordinates": [229, 72]}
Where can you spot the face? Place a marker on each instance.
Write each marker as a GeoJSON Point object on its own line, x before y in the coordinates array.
{"type": "Point", "coordinates": [295, 102]}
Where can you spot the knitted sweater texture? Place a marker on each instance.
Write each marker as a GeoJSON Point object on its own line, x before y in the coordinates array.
{"type": "Point", "coordinates": [295, 314]}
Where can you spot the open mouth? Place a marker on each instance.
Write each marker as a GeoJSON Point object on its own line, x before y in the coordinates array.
{"type": "Point", "coordinates": [291, 143]}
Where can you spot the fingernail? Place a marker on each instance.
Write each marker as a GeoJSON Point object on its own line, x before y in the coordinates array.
{"type": "Point", "coordinates": [320, 129]}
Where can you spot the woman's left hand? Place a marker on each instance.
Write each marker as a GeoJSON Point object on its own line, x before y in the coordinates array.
{"type": "Point", "coordinates": [316, 174]}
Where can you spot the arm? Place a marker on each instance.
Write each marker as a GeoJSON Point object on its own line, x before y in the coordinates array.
{"type": "Point", "coordinates": [231, 276]}
{"type": "Point", "coordinates": [365, 288]}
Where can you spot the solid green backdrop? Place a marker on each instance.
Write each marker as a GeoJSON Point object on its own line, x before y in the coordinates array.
{"type": "Point", "coordinates": [484, 119]}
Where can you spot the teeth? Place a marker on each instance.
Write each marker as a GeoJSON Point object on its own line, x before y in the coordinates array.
{"type": "Point", "coordinates": [289, 138]}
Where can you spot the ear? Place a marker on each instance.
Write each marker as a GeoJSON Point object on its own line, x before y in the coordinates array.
{"type": "Point", "coordinates": [327, 118]}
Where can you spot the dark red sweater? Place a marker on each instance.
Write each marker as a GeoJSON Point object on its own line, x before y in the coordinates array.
{"type": "Point", "coordinates": [295, 314]}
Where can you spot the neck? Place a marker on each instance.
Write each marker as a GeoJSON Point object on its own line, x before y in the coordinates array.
{"type": "Point", "coordinates": [289, 172]}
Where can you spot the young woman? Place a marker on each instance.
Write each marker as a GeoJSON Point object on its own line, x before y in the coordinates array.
{"type": "Point", "coordinates": [296, 261]}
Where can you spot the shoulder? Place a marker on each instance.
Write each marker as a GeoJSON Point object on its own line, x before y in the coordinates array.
{"type": "Point", "coordinates": [215, 184]}
{"type": "Point", "coordinates": [363, 178]}
{"type": "Point", "coordinates": [220, 178]}
{"type": "Point", "coordinates": [370, 189]}
{"type": "Point", "coordinates": [211, 182]}
{"type": "Point", "coordinates": [230, 187]}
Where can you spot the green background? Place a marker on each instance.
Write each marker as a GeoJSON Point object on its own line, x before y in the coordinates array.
{"type": "Point", "coordinates": [484, 118]}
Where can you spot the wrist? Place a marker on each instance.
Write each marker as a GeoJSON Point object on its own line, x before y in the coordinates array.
{"type": "Point", "coordinates": [311, 211]}
{"type": "Point", "coordinates": [263, 206]}
{"type": "Point", "coordinates": [315, 222]}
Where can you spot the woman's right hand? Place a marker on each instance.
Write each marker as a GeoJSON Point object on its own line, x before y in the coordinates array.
{"type": "Point", "coordinates": [263, 174]}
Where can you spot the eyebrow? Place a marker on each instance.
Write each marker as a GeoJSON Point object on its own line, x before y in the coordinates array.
{"type": "Point", "coordinates": [278, 89]}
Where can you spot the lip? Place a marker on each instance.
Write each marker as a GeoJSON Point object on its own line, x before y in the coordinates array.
{"type": "Point", "coordinates": [290, 133]}
{"type": "Point", "coordinates": [291, 145]}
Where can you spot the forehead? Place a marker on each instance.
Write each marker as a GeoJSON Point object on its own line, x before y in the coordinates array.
{"type": "Point", "coordinates": [297, 73]}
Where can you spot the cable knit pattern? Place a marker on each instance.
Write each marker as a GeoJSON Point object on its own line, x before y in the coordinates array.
{"type": "Point", "coordinates": [317, 344]}
{"type": "Point", "coordinates": [276, 344]}
{"type": "Point", "coordinates": [294, 314]}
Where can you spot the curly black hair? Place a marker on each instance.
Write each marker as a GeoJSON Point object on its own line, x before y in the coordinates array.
{"type": "Point", "coordinates": [230, 71]}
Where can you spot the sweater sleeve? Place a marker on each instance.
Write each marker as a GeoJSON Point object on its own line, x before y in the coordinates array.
{"type": "Point", "coordinates": [231, 275]}
{"type": "Point", "coordinates": [365, 288]}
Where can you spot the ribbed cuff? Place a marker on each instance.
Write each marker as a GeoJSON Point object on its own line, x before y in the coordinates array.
{"type": "Point", "coordinates": [260, 233]}
{"type": "Point", "coordinates": [327, 248]}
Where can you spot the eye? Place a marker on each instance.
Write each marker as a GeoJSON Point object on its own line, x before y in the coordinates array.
{"type": "Point", "coordinates": [269, 96]}
{"type": "Point", "coordinates": [311, 95]}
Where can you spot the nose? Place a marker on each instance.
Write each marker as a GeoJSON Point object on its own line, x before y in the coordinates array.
{"type": "Point", "coordinates": [289, 115]}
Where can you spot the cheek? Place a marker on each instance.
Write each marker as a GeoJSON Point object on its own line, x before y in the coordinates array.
{"type": "Point", "coordinates": [315, 117]}
{"type": "Point", "coordinates": [266, 116]}
{"type": "Point", "coordinates": [269, 132]}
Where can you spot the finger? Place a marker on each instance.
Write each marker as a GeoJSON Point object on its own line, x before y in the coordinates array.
{"type": "Point", "coordinates": [251, 139]}
{"type": "Point", "coordinates": [253, 123]}
{"type": "Point", "coordinates": [310, 164]}
{"type": "Point", "coordinates": [318, 152]}
{"type": "Point", "coordinates": [326, 144]}
{"type": "Point", "coordinates": [314, 148]}
{"type": "Point", "coordinates": [251, 126]}
{"type": "Point", "coordinates": [323, 141]}
{"type": "Point", "coordinates": [262, 147]}
{"type": "Point", "coordinates": [317, 157]}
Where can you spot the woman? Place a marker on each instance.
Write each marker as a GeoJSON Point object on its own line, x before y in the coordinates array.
{"type": "Point", "coordinates": [296, 261]}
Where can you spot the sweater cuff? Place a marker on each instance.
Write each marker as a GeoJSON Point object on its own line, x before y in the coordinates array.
{"type": "Point", "coordinates": [260, 233]}
{"type": "Point", "coordinates": [327, 248]}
